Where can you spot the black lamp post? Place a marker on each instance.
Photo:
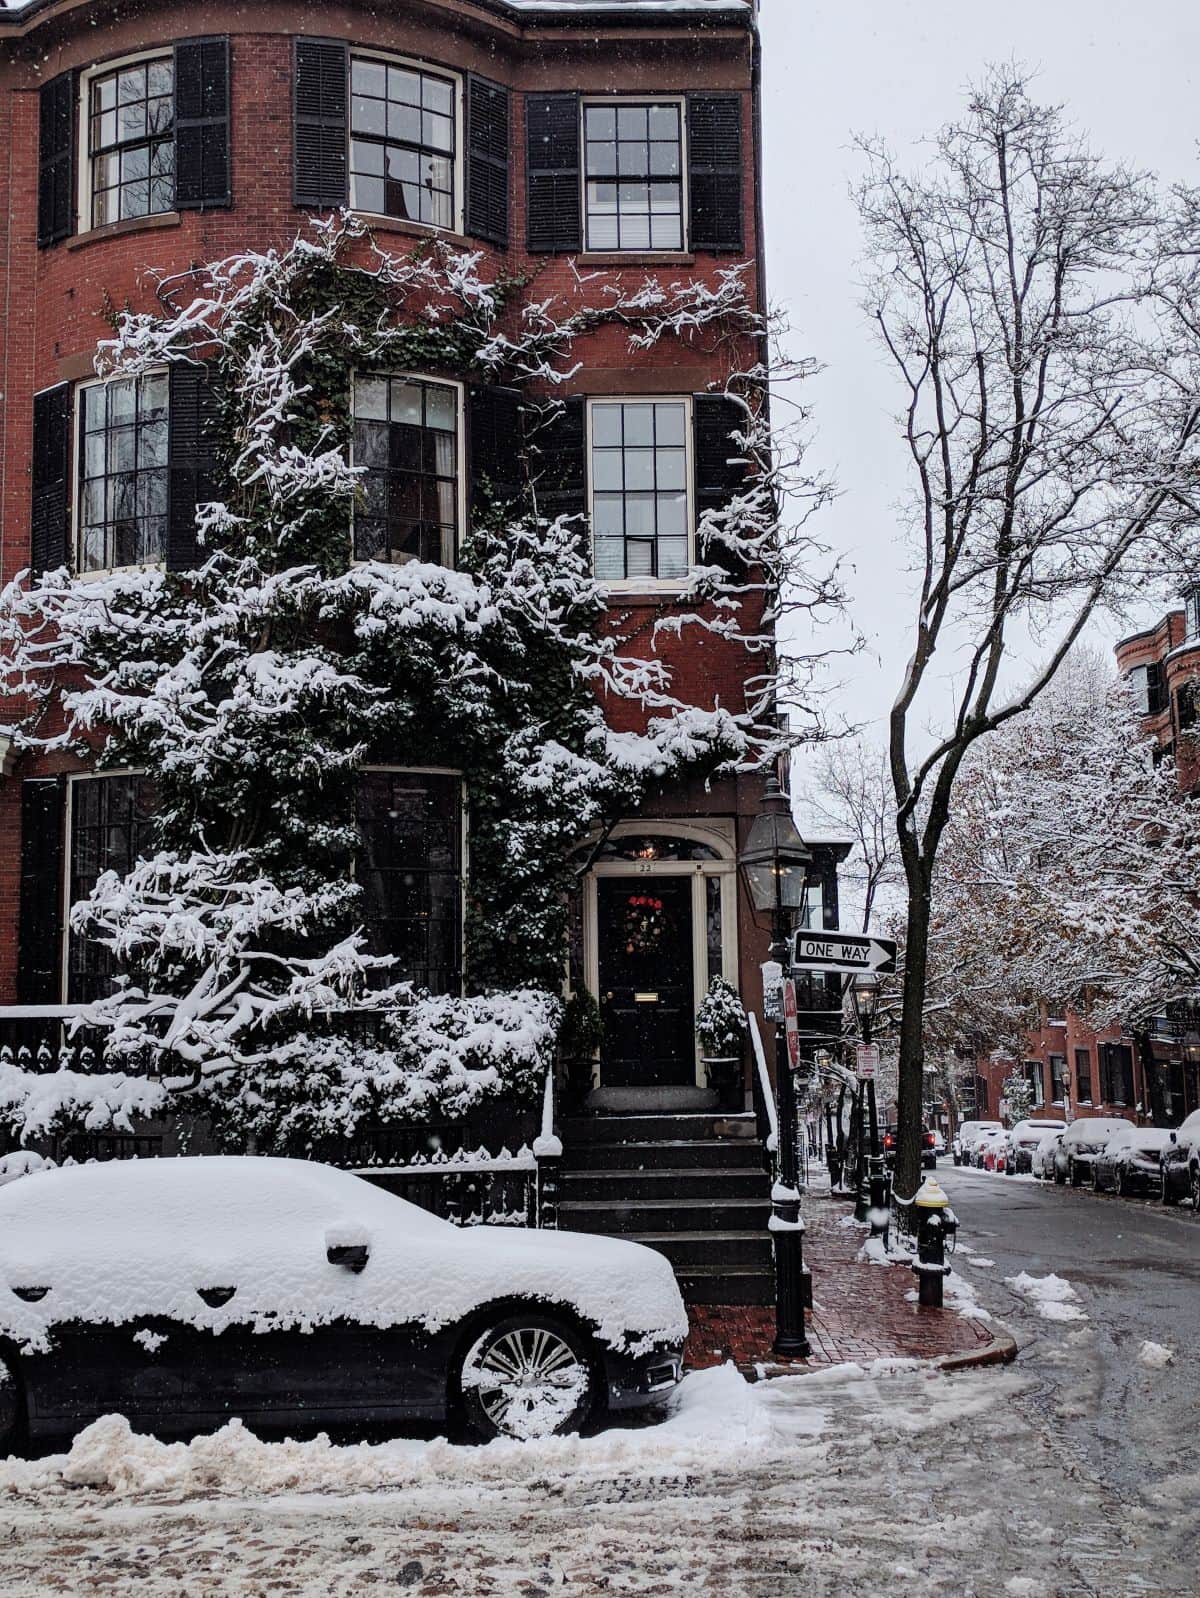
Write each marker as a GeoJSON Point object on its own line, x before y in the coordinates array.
{"type": "Point", "coordinates": [775, 866]}
{"type": "Point", "coordinates": [864, 993]}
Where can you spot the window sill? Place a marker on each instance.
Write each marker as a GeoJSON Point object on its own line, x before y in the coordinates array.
{"type": "Point", "coordinates": [95, 573]}
{"type": "Point", "coordinates": [378, 223]}
{"type": "Point", "coordinates": [636, 258]}
{"type": "Point", "coordinates": [130, 224]}
{"type": "Point", "coordinates": [645, 593]}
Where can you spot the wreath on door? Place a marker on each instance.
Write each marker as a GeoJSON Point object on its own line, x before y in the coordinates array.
{"type": "Point", "coordinates": [644, 924]}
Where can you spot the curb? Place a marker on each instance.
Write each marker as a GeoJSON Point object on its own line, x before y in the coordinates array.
{"type": "Point", "coordinates": [1000, 1350]}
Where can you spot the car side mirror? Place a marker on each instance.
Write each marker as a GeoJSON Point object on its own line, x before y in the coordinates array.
{"type": "Point", "coordinates": [1174, 1139]}
{"type": "Point", "coordinates": [348, 1244]}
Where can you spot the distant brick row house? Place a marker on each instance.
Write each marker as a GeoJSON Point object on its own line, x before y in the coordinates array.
{"type": "Point", "coordinates": [1153, 1075]}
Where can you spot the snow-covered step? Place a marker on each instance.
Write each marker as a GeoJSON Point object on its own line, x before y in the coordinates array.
{"type": "Point", "coordinates": [716, 1251]}
{"type": "Point", "coordinates": [639, 1214]}
{"type": "Point", "coordinates": [659, 1128]}
{"type": "Point", "coordinates": [667, 1182]}
{"type": "Point", "coordinates": [728, 1153]}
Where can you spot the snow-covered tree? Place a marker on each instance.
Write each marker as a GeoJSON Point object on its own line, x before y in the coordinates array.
{"type": "Point", "coordinates": [1050, 413]}
{"type": "Point", "coordinates": [255, 683]}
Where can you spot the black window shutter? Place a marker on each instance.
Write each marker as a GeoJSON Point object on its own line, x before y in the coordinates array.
{"type": "Point", "coordinates": [715, 171]}
{"type": "Point", "coordinates": [487, 160]}
{"type": "Point", "coordinates": [56, 159]}
{"type": "Point", "coordinates": [51, 519]}
{"type": "Point", "coordinates": [558, 463]}
{"type": "Point", "coordinates": [201, 124]}
{"type": "Point", "coordinates": [720, 461]}
{"type": "Point", "coordinates": [552, 179]}
{"type": "Point", "coordinates": [39, 945]}
{"type": "Point", "coordinates": [494, 421]}
{"type": "Point", "coordinates": [195, 415]}
{"type": "Point", "coordinates": [320, 89]}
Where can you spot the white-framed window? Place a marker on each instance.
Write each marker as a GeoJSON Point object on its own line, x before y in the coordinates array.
{"type": "Point", "coordinates": [411, 863]}
{"type": "Point", "coordinates": [121, 441]}
{"type": "Point", "coordinates": [405, 140]}
{"type": "Point", "coordinates": [108, 822]}
{"type": "Point", "coordinates": [408, 435]}
{"type": "Point", "coordinates": [639, 476]}
{"type": "Point", "coordinates": [127, 139]}
{"type": "Point", "coordinates": [1191, 606]}
{"type": "Point", "coordinates": [634, 175]}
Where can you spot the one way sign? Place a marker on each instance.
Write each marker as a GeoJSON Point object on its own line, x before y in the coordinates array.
{"type": "Point", "coordinates": [842, 951]}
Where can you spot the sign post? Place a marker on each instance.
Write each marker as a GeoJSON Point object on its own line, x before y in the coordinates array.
{"type": "Point", "coordinates": [791, 1026]}
{"type": "Point", "coordinates": [867, 1061]}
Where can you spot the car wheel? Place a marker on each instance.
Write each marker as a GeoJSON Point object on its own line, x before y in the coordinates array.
{"type": "Point", "coordinates": [527, 1376]}
{"type": "Point", "coordinates": [1124, 1190]}
{"type": "Point", "coordinates": [1166, 1192]}
{"type": "Point", "coordinates": [1074, 1175]}
{"type": "Point", "coordinates": [1059, 1178]}
{"type": "Point", "coordinates": [1194, 1188]}
{"type": "Point", "coordinates": [10, 1402]}
{"type": "Point", "coordinates": [1097, 1185]}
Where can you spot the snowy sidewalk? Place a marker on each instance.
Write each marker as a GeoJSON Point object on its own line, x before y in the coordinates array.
{"type": "Point", "coordinates": [862, 1311]}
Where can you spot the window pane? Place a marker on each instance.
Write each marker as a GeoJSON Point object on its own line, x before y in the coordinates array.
{"type": "Point", "coordinates": [664, 122]}
{"type": "Point", "coordinates": [368, 116]}
{"type": "Point", "coordinates": [639, 559]}
{"type": "Point", "coordinates": [666, 233]}
{"type": "Point", "coordinates": [672, 468]}
{"type": "Point", "coordinates": [672, 557]}
{"type": "Point", "coordinates": [368, 77]}
{"type": "Point", "coordinates": [371, 398]}
{"type": "Point", "coordinates": [669, 424]}
{"type": "Point", "coordinates": [439, 411]}
{"type": "Point", "coordinates": [672, 513]}
{"type": "Point", "coordinates": [606, 425]}
{"type": "Point", "coordinates": [601, 122]}
{"type": "Point", "coordinates": [610, 558]}
{"type": "Point", "coordinates": [404, 86]}
{"type": "Point", "coordinates": [634, 233]}
{"type": "Point", "coordinates": [607, 469]}
{"type": "Point", "coordinates": [639, 468]}
{"type": "Point", "coordinates": [404, 122]}
{"type": "Point", "coordinates": [632, 122]}
{"type": "Point", "coordinates": [608, 515]}
{"type": "Point", "coordinates": [639, 424]}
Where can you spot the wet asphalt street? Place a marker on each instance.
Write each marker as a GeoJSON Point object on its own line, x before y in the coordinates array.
{"type": "Point", "coordinates": [1135, 1266]}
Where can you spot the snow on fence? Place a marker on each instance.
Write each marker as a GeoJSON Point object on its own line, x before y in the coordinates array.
{"type": "Point", "coordinates": [468, 1188]}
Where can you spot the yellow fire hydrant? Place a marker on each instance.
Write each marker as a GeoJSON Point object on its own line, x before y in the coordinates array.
{"type": "Point", "coordinates": [935, 1222]}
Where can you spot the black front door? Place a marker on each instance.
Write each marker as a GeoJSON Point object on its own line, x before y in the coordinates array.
{"type": "Point", "coordinates": [644, 931]}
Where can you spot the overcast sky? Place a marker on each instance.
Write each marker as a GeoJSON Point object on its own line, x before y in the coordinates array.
{"type": "Point", "coordinates": [1127, 74]}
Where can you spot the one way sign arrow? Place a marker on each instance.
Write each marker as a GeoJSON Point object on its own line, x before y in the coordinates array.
{"type": "Point", "coordinates": [842, 951]}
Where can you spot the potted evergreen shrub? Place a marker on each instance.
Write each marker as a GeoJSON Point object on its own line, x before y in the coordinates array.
{"type": "Point", "coordinates": [721, 1028]}
{"type": "Point", "coordinates": [579, 1037]}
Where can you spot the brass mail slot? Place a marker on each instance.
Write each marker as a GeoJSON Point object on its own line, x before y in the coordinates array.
{"type": "Point", "coordinates": [645, 998]}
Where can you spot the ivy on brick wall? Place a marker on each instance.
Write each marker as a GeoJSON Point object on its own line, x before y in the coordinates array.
{"type": "Point", "coordinates": [255, 679]}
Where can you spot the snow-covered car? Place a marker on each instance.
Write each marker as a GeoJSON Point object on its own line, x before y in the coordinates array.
{"type": "Point", "coordinates": [1131, 1161]}
{"type": "Point", "coordinates": [181, 1292]}
{"type": "Point", "coordinates": [1041, 1163]}
{"type": "Point", "coordinates": [937, 1142]}
{"type": "Point", "coordinates": [1024, 1138]}
{"type": "Point", "coordinates": [1081, 1143]}
{"type": "Point", "coordinates": [989, 1149]}
{"type": "Point", "coordinates": [1181, 1163]}
{"type": "Point", "coordinates": [962, 1144]}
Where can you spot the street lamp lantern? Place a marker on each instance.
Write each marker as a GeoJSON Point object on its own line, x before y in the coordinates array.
{"type": "Point", "coordinates": [864, 992]}
{"type": "Point", "coordinates": [776, 863]}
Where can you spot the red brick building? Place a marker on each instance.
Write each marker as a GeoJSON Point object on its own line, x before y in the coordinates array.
{"type": "Point", "coordinates": [134, 144]}
{"type": "Point", "coordinates": [1153, 1076]}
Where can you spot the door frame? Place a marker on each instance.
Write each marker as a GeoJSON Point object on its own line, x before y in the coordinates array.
{"type": "Point", "coordinates": [718, 835]}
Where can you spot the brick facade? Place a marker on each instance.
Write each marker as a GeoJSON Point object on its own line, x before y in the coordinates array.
{"type": "Point", "coordinates": [59, 299]}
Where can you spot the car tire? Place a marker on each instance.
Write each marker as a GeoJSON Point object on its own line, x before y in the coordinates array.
{"type": "Point", "coordinates": [527, 1346]}
{"type": "Point", "coordinates": [1059, 1177]}
{"type": "Point", "coordinates": [1124, 1190]}
{"type": "Point", "coordinates": [1097, 1185]}
{"type": "Point", "coordinates": [1166, 1192]}
{"type": "Point", "coordinates": [1073, 1174]}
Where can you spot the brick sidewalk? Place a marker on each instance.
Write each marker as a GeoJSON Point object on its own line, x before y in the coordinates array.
{"type": "Point", "coordinates": [859, 1311]}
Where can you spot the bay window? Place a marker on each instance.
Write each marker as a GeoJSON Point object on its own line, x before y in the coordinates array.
{"type": "Point", "coordinates": [108, 831]}
{"type": "Point", "coordinates": [403, 142]}
{"type": "Point", "coordinates": [122, 508]}
{"type": "Point", "coordinates": [410, 865]}
{"type": "Point", "coordinates": [129, 129]}
{"type": "Point", "coordinates": [406, 436]}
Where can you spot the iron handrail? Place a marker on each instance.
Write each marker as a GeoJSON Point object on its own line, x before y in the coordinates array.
{"type": "Point", "coordinates": [764, 1084]}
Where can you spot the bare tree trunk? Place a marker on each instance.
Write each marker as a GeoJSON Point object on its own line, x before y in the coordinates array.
{"type": "Point", "coordinates": [910, 1091]}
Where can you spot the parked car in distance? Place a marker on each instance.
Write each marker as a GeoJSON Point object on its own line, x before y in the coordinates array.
{"type": "Point", "coordinates": [928, 1150]}
{"type": "Point", "coordinates": [1131, 1161]}
{"type": "Point", "coordinates": [990, 1149]}
{"type": "Point", "coordinates": [181, 1292]}
{"type": "Point", "coordinates": [1181, 1163]}
{"type": "Point", "coordinates": [962, 1142]}
{"type": "Point", "coordinates": [1081, 1143]}
{"type": "Point", "coordinates": [1041, 1163]}
{"type": "Point", "coordinates": [1025, 1137]}
{"type": "Point", "coordinates": [937, 1142]}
